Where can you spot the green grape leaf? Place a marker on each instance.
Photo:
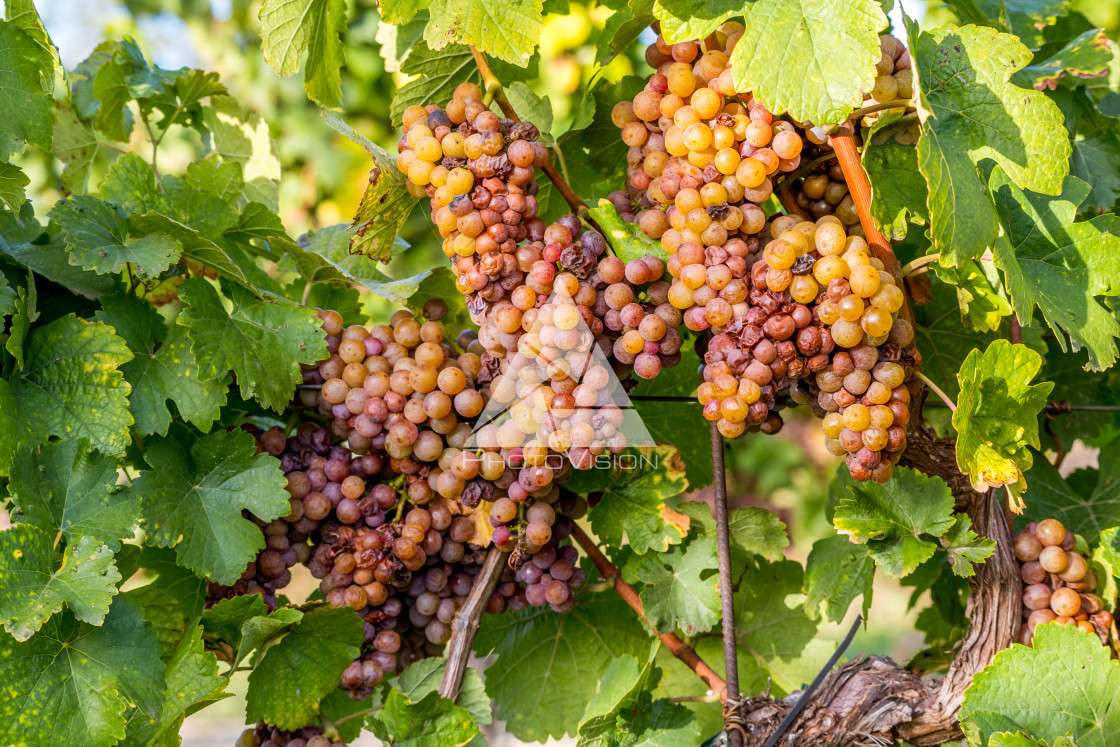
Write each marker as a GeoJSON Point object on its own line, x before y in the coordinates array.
{"type": "Point", "coordinates": [294, 674]}
{"type": "Point", "coordinates": [623, 27]}
{"type": "Point", "coordinates": [891, 518]}
{"type": "Point", "coordinates": [48, 256]}
{"type": "Point", "coordinates": [34, 585]}
{"type": "Point", "coordinates": [192, 678]}
{"type": "Point", "coordinates": [621, 686]}
{"type": "Point", "coordinates": [8, 300]}
{"type": "Point", "coordinates": [243, 138]}
{"type": "Point", "coordinates": [97, 233]}
{"type": "Point", "coordinates": [1096, 147]}
{"type": "Point", "coordinates": [568, 650]}
{"type": "Point", "coordinates": [205, 196]}
{"type": "Point", "coordinates": [386, 203]}
{"type": "Point", "coordinates": [63, 487]}
{"type": "Point", "coordinates": [684, 20]}
{"type": "Point", "coordinates": [1060, 266]}
{"type": "Point", "coordinates": [430, 720]}
{"type": "Point", "coordinates": [164, 368]}
{"type": "Point", "coordinates": [225, 619]}
{"type": "Point", "coordinates": [26, 82]}
{"type": "Point", "coordinates": [626, 239]}
{"type": "Point", "coordinates": [131, 184]}
{"type": "Point", "coordinates": [1024, 18]}
{"type": "Point", "coordinates": [111, 90]}
{"type": "Point", "coordinates": [970, 112]}
{"type": "Point", "coordinates": [507, 29]}
{"type": "Point", "coordinates": [76, 145]}
{"type": "Point", "coordinates": [1007, 739]}
{"type": "Point", "coordinates": [435, 73]}
{"type": "Point", "coordinates": [13, 186]}
{"type": "Point", "coordinates": [681, 589]}
{"type": "Point", "coordinates": [307, 29]}
{"type": "Point", "coordinates": [966, 548]}
{"type": "Point", "coordinates": [771, 625]}
{"type": "Point", "coordinates": [836, 572]}
{"type": "Point", "coordinates": [633, 505]}
{"type": "Point", "coordinates": [898, 192]}
{"type": "Point", "coordinates": [70, 386]}
{"type": "Point", "coordinates": [24, 312]}
{"type": "Point", "coordinates": [751, 530]}
{"type": "Point", "coordinates": [261, 341]}
{"type": "Point", "coordinates": [423, 677]}
{"type": "Point", "coordinates": [813, 60]}
{"type": "Point", "coordinates": [997, 415]}
{"type": "Point", "coordinates": [979, 293]}
{"type": "Point", "coordinates": [195, 246]}
{"type": "Point", "coordinates": [23, 14]}
{"type": "Point", "coordinates": [72, 683]}
{"type": "Point", "coordinates": [623, 711]}
{"type": "Point", "coordinates": [1087, 502]}
{"type": "Point", "coordinates": [1085, 56]}
{"type": "Point", "coordinates": [187, 589]}
{"type": "Point", "coordinates": [257, 632]}
{"type": "Point", "coordinates": [1029, 689]}
{"type": "Point", "coordinates": [943, 339]}
{"type": "Point", "coordinates": [193, 501]}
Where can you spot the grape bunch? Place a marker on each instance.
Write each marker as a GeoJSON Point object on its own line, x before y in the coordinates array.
{"type": "Point", "coordinates": [478, 171]}
{"type": "Point", "coordinates": [1058, 583]}
{"type": "Point", "coordinates": [695, 142]}
{"type": "Point", "coordinates": [820, 322]}
{"type": "Point", "coordinates": [409, 577]}
{"type": "Point", "coordinates": [263, 735]}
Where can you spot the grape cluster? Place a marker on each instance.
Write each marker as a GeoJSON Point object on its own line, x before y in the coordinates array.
{"type": "Point", "coordinates": [695, 142]}
{"type": "Point", "coordinates": [263, 735]}
{"type": "Point", "coordinates": [478, 170]}
{"type": "Point", "coordinates": [1058, 583]}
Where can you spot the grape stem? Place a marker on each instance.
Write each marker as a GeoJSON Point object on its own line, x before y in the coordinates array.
{"type": "Point", "coordinates": [916, 264]}
{"type": "Point", "coordinates": [936, 390]}
{"type": "Point", "coordinates": [871, 109]}
{"type": "Point", "coordinates": [493, 88]}
{"type": "Point", "coordinates": [464, 627]}
{"type": "Point", "coordinates": [676, 646]}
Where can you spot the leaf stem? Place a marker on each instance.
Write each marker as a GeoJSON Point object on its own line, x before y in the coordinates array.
{"type": "Point", "coordinates": [936, 390]}
{"type": "Point", "coordinates": [493, 88]}
{"type": "Point", "coordinates": [676, 646]}
{"type": "Point", "coordinates": [918, 263]}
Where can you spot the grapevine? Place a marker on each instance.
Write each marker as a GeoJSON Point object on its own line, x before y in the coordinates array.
{"type": "Point", "coordinates": [659, 337]}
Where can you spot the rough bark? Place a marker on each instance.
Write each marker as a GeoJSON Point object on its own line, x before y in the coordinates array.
{"type": "Point", "coordinates": [873, 700]}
